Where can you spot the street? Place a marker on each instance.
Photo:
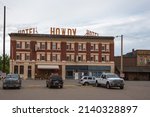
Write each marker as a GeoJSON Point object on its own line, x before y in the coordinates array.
{"type": "Point", "coordinates": [37, 90]}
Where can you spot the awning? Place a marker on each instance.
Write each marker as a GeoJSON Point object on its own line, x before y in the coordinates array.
{"type": "Point", "coordinates": [48, 67]}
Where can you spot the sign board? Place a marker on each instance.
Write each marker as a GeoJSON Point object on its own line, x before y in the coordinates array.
{"type": "Point", "coordinates": [91, 33]}
{"type": "Point", "coordinates": [28, 31]}
{"type": "Point", "coordinates": [62, 31]}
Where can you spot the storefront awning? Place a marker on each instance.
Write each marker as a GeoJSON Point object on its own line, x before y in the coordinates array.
{"type": "Point", "coordinates": [48, 67]}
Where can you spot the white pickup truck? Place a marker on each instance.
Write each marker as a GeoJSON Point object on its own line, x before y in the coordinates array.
{"type": "Point", "coordinates": [109, 80]}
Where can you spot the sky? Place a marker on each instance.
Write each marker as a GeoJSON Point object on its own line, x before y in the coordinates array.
{"type": "Point", "coordinates": [130, 18]}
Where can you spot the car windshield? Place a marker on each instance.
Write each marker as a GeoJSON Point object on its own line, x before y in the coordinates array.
{"type": "Point", "coordinates": [14, 76]}
{"type": "Point", "coordinates": [55, 77]}
{"type": "Point", "coordinates": [112, 76]}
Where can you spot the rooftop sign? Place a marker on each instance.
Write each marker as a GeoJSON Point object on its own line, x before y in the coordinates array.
{"type": "Point", "coordinates": [91, 33]}
{"type": "Point", "coordinates": [62, 31]}
{"type": "Point", "coordinates": [28, 31]}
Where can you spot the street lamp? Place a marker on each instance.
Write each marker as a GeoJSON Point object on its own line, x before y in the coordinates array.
{"type": "Point", "coordinates": [121, 67]}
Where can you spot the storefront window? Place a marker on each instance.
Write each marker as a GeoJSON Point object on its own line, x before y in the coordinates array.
{"type": "Point", "coordinates": [70, 73]}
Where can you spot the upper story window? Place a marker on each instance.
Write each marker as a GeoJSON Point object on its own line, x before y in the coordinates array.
{"type": "Point", "coordinates": [18, 57]}
{"type": "Point", "coordinates": [81, 57]}
{"type": "Point", "coordinates": [70, 57]}
{"type": "Point", "coordinates": [105, 58]}
{"type": "Point", "coordinates": [82, 46]}
{"type": "Point", "coordinates": [105, 47]}
{"type": "Point", "coordinates": [18, 45]}
{"type": "Point", "coordinates": [70, 46]}
{"type": "Point", "coordinates": [53, 46]}
{"type": "Point", "coordinates": [94, 47]}
{"type": "Point", "coordinates": [42, 57]}
{"type": "Point", "coordinates": [56, 46]}
{"type": "Point", "coordinates": [55, 57]}
{"type": "Point", "coordinates": [27, 56]}
{"type": "Point", "coordinates": [94, 58]}
{"type": "Point", "coordinates": [42, 46]}
{"type": "Point", "coordinates": [48, 45]}
{"type": "Point", "coordinates": [27, 45]}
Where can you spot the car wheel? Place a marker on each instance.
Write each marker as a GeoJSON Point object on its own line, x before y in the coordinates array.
{"type": "Point", "coordinates": [107, 86]}
{"type": "Point", "coordinates": [122, 87]}
{"type": "Point", "coordinates": [46, 85]}
{"type": "Point", "coordinates": [86, 83]}
{"type": "Point", "coordinates": [4, 87]}
{"type": "Point", "coordinates": [49, 86]}
{"type": "Point", "coordinates": [96, 84]}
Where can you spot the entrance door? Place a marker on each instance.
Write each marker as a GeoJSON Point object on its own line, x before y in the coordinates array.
{"type": "Point", "coordinates": [29, 72]}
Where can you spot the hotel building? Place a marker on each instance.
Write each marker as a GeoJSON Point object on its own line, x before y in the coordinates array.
{"type": "Point", "coordinates": [35, 56]}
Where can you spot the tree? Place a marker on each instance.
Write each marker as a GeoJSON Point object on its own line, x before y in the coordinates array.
{"type": "Point", "coordinates": [7, 59]}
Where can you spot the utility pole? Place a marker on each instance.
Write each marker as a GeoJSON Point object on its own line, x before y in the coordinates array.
{"type": "Point", "coordinates": [121, 62]}
{"type": "Point", "coordinates": [121, 69]}
{"type": "Point", "coordinates": [4, 39]}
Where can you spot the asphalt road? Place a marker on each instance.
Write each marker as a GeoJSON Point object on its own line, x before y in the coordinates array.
{"type": "Point", "coordinates": [37, 90]}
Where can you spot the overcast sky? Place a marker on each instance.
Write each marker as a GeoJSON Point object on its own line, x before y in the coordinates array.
{"type": "Point", "coordinates": [130, 18]}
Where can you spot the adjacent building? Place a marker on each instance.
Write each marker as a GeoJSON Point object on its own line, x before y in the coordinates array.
{"type": "Point", "coordinates": [35, 56]}
{"type": "Point", "coordinates": [136, 65]}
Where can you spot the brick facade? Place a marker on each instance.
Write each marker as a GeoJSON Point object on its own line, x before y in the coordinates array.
{"type": "Point", "coordinates": [82, 54]}
{"type": "Point", "coordinates": [136, 65]}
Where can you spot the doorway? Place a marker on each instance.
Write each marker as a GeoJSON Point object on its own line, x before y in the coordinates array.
{"type": "Point", "coordinates": [29, 72]}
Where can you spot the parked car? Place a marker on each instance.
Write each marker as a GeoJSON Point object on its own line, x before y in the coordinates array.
{"type": "Point", "coordinates": [87, 80]}
{"type": "Point", "coordinates": [12, 81]}
{"type": "Point", "coordinates": [110, 80]}
{"type": "Point", "coordinates": [54, 81]}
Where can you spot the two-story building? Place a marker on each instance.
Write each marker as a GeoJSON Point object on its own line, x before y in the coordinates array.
{"type": "Point", "coordinates": [39, 55]}
{"type": "Point", "coordinates": [136, 65]}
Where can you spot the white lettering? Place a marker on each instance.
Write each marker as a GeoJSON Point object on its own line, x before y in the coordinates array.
{"type": "Point", "coordinates": [28, 31]}
{"type": "Point", "coordinates": [91, 33]}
